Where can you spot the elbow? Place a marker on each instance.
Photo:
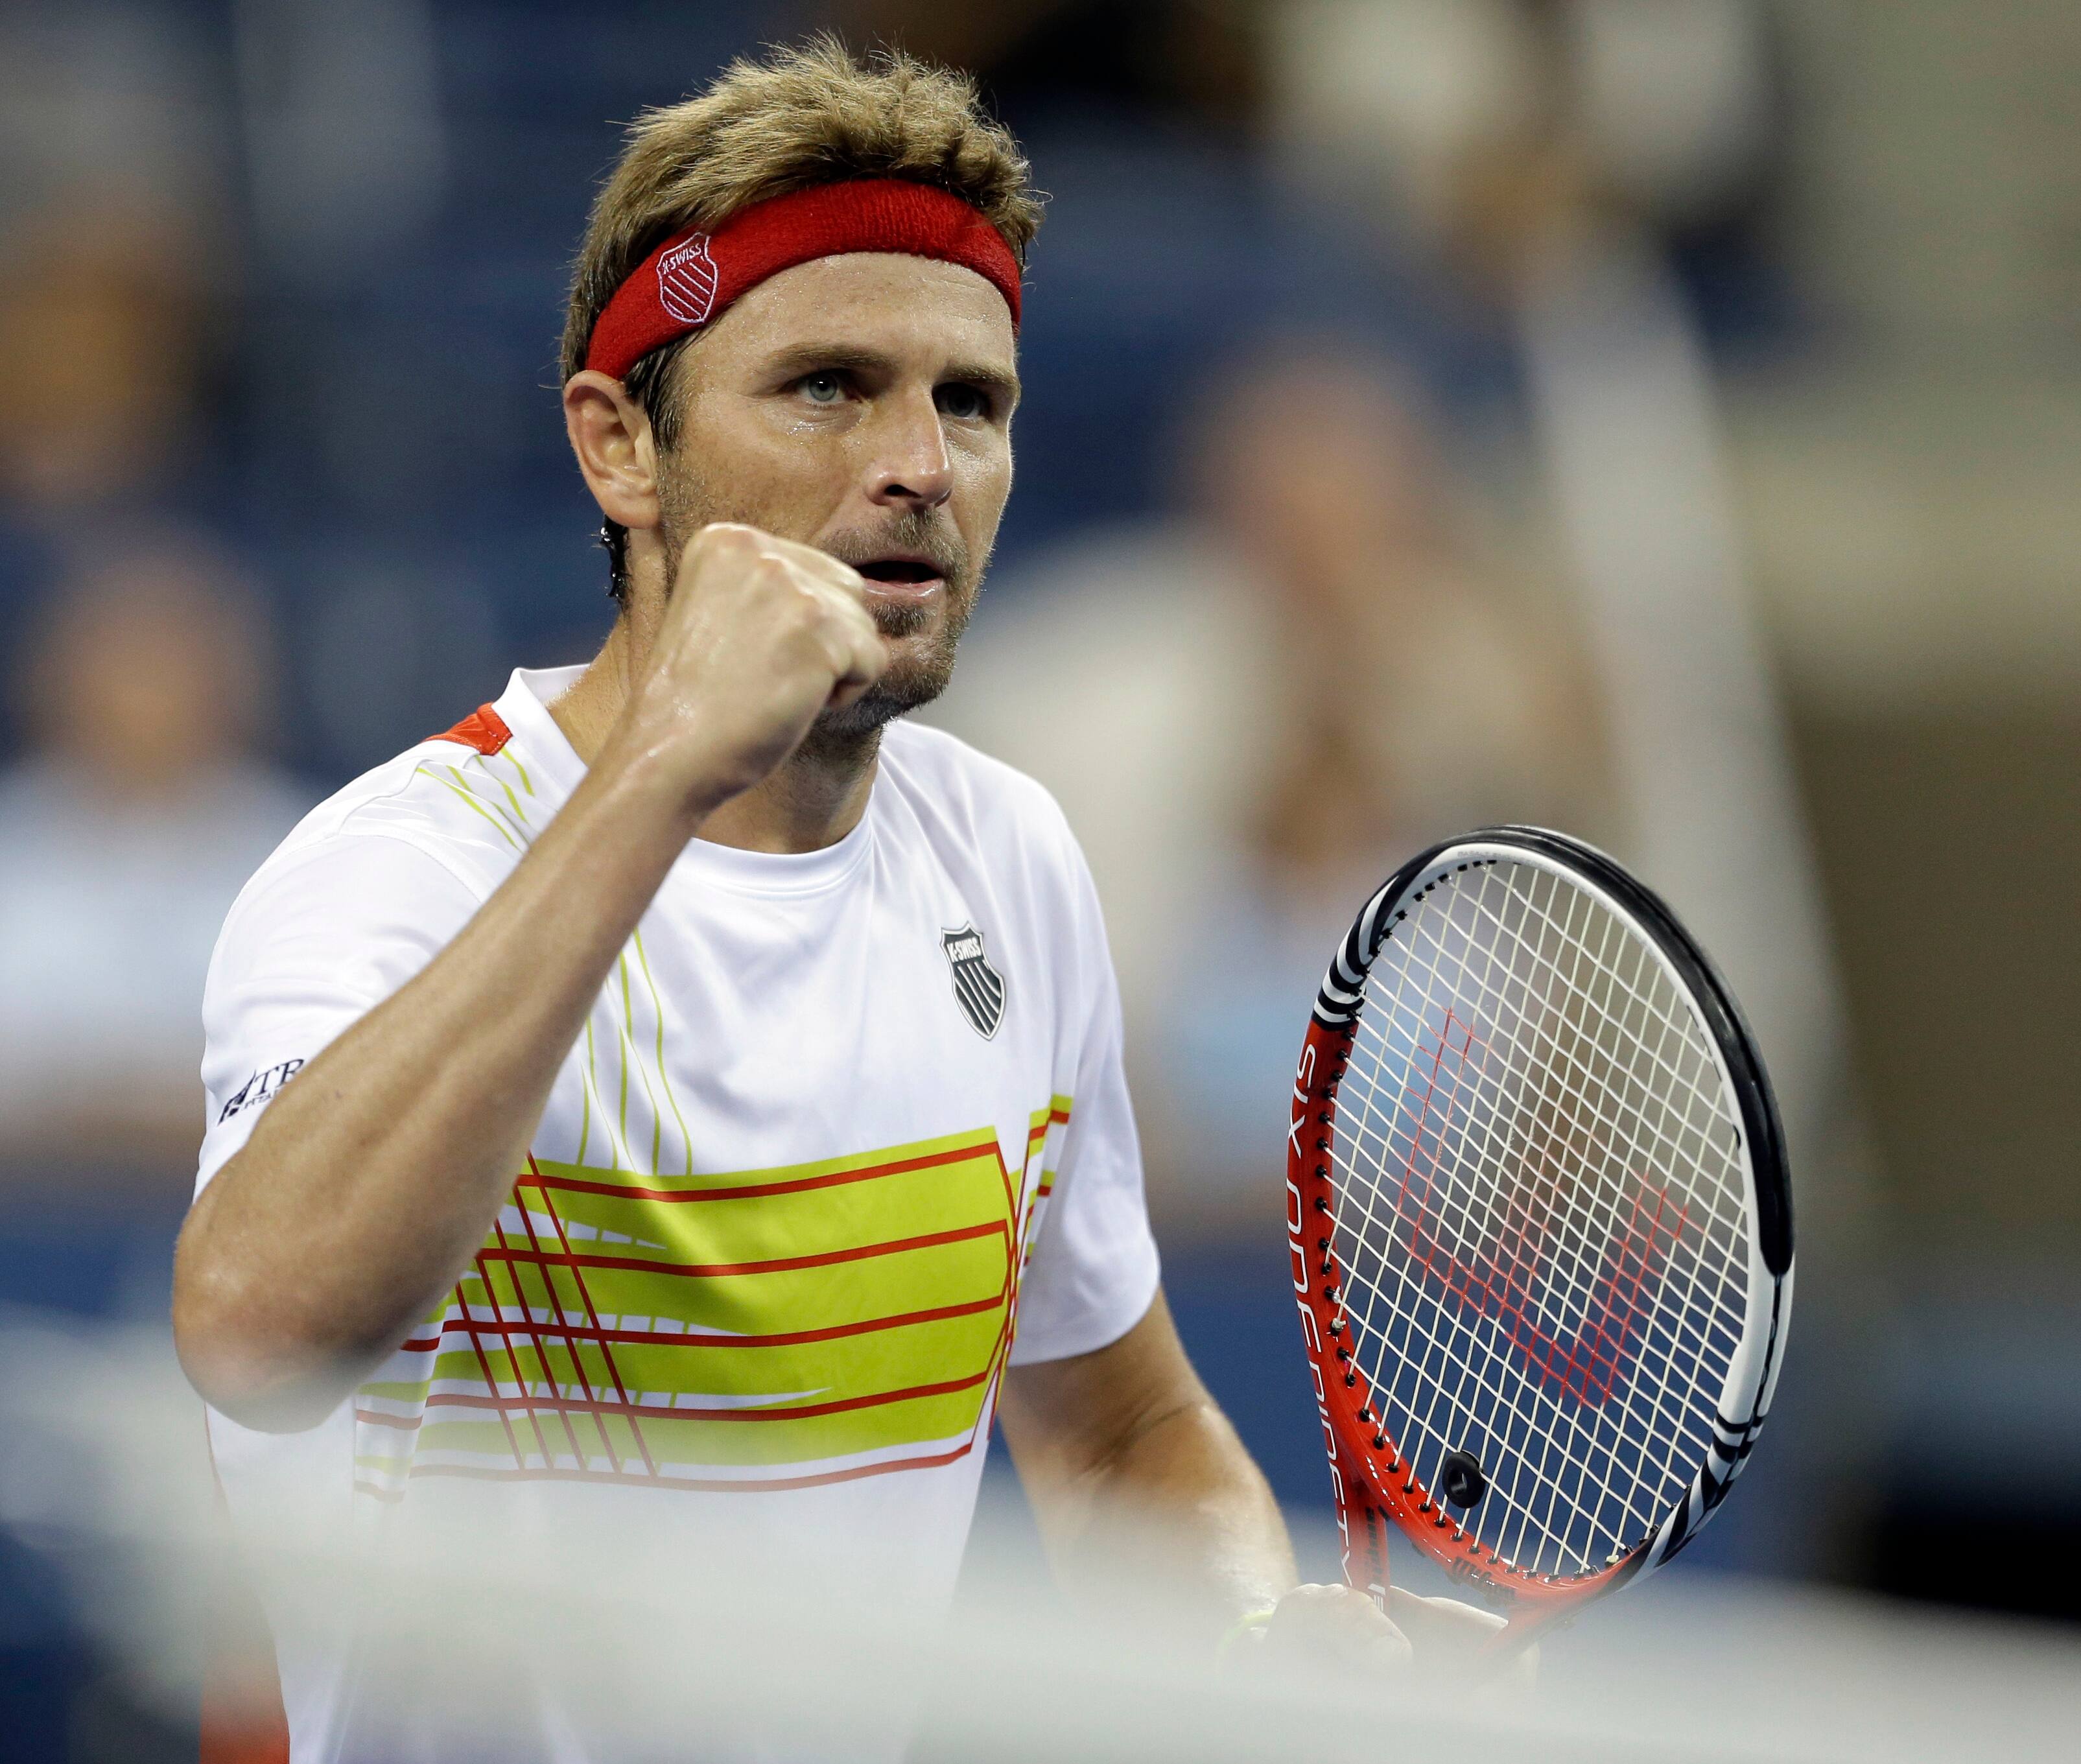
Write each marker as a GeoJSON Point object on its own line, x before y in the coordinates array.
{"type": "Point", "coordinates": [238, 1359]}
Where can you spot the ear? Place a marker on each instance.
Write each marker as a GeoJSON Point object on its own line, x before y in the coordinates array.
{"type": "Point", "coordinates": [610, 435]}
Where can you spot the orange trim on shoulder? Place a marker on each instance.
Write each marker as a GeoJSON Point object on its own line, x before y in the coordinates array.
{"type": "Point", "coordinates": [484, 728]}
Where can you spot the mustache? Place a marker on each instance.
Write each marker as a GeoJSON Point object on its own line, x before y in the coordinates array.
{"type": "Point", "coordinates": [928, 536]}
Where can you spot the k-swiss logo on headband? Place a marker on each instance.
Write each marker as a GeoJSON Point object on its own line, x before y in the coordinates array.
{"type": "Point", "coordinates": [978, 987]}
{"type": "Point", "coordinates": [687, 281]}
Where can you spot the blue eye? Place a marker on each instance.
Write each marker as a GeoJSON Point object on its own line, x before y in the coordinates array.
{"type": "Point", "coordinates": [821, 388]}
{"type": "Point", "coordinates": [965, 403]}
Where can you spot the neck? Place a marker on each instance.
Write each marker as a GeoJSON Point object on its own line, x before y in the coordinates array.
{"type": "Point", "coordinates": [814, 800]}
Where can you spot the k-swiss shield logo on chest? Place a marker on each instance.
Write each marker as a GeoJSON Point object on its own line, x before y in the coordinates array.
{"type": "Point", "coordinates": [978, 987]}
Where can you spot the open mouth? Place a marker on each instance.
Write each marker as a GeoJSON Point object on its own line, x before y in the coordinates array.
{"type": "Point", "coordinates": [900, 572]}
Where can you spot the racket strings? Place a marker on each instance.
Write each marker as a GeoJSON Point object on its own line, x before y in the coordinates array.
{"type": "Point", "coordinates": [1490, 1092]}
{"type": "Point", "coordinates": [1539, 1212]}
{"type": "Point", "coordinates": [1514, 1302]}
{"type": "Point", "coordinates": [1491, 1166]}
{"type": "Point", "coordinates": [1728, 1222]}
{"type": "Point", "coordinates": [1545, 1126]}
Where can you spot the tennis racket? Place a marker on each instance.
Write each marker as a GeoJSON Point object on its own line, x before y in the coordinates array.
{"type": "Point", "coordinates": [1539, 1225]}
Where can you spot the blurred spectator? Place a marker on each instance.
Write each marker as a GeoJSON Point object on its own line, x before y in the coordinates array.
{"type": "Point", "coordinates": [1251, 713]}
{"type": "Point", "coordinates": [109, 92]}
{"type": "Point", "coordinates": [137, 816]}
{"type": "Point", "coordinates": [107, 348]}
{"type": "Point", "coordinates": [114, 254]}
{"type": "Point", "coordinates": [102, 347]}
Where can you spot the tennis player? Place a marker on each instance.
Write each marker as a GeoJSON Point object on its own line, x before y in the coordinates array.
{"type": "Point", "coordinates": [683, 1084]}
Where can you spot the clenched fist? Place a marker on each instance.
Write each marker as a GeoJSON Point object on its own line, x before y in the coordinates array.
{"type": "Point", "coordinates": [759, 636]}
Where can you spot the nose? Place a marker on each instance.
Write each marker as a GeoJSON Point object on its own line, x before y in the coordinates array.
{"type": "Point", "coordinates": [911, 470]}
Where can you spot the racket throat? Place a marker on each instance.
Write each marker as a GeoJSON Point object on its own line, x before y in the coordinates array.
{"type": "Point", "coordinates": [1365, 1529]}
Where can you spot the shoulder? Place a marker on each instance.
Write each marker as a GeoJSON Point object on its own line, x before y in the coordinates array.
{"type": "Point", "coordinates": [409, 841]}
{"type": "Point", "coordinates": [406, 799]}
{"type": "Point", "coordinates": [468, 804]}
{"type": "Point", "coordinates": [991, 821]}
{"type": "Point", "coordinates": [996, 801]}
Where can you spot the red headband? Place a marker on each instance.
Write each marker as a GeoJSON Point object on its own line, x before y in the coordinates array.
{"type": "Point", "coordinates": [692, 276]}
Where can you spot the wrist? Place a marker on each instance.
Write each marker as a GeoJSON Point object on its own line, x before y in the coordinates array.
{"type": "Point", "coordinates": [671, 779]}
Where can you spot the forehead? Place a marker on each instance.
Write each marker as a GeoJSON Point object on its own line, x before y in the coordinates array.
{"type": "Point", "coordinates": [911, 307]}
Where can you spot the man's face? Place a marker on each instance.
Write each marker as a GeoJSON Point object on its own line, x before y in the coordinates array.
{"type": "Point", "coordinates": [860, 403]}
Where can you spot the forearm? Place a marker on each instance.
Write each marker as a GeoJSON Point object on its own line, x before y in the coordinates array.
{"type": "Point", "coordinates": [1140, 1486]}
{"type": "Point", "coordinates": [1184, 1500]}
{"type": "Point", "coordinates": [371, 1179]}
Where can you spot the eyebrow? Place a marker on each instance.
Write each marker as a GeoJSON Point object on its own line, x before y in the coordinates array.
{"type": "Point", "coordinates": [806, 357]}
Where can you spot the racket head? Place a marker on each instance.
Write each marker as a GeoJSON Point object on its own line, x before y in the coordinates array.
{"type": "Point", "coordinates": [1539, 1215]}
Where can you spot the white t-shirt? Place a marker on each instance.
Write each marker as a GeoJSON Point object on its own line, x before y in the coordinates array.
{"type": "Point", "coordinates": [837, 1122]}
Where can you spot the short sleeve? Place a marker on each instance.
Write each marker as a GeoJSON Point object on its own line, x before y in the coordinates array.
{"type": "Point", "coordinates": [1095, 1270]}
{"type": "Point", "coordinates": [319, 937]}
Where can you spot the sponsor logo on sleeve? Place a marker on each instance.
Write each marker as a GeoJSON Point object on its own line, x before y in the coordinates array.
{"type": "Point", "coordinates": [978, 987]}
{"type": "Point", "coordinates": [259, 1088]}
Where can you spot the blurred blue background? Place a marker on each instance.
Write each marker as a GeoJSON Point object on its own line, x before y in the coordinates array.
{"type": "Point", "coordinates": [1657, 419]}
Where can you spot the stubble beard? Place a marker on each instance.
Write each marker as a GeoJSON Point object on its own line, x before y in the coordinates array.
{"type": "Point", "coordinates": [847, 734]}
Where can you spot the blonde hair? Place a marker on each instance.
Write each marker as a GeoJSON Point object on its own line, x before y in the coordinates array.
{"type": "Point", "coordinates": [797, 117]}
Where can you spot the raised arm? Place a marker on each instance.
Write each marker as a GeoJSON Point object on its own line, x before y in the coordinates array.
{"type": "Point", "coordinates": [365, 1187]}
